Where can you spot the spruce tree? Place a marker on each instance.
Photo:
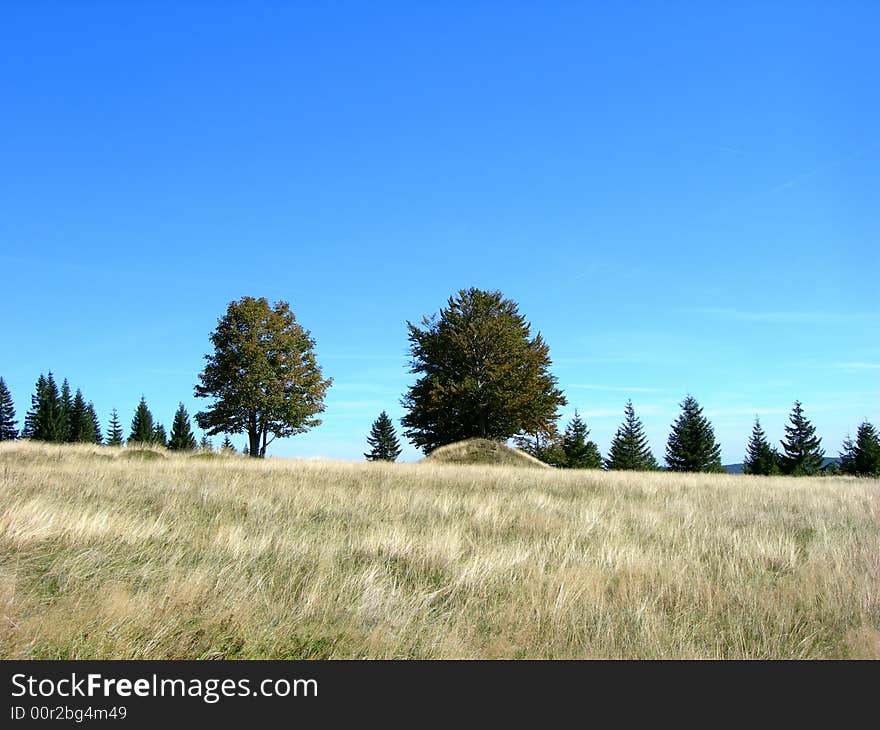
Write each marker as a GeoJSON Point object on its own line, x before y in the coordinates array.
{"type": "Point", "coordinates": [79, 426]}
{"type": "Point", "coordinates": [182, 438]}
{"type": "Point", "coordinates": [383, 441]}
{"type": "Point", "coordinates": [96, 424]}
{"type": "Point", "coordinates": [8, 431]}
{"type": "Point", "coordinates": [142, 425]}
{"type": "Point", "coordinates": [227, 446]}
{"type": "Point", "coordinates": [629, 448]}
{"type": "Point", "coordinates": [579, 452]}
{"type": "Point", "coordinates": [862, 458]}
{"type": "Point", "coordinates": [761, 458]}
{"type": "Point", "coordinates": [115, 435]}
{"type": "Point", "coordinates": [205, 444]}
{"type": "Point", "coordinates": [803, 453]}
{"type": "Point", "coordinates": [31, 417]}
{"type": "Point", "coordinates": [45, 421]}
{"type": "Point", "coordinates": [692, 445]}
{"type": "Point", "coordinates": [159, 436]}
{"type": "Point", "coordinates": [66, 410]}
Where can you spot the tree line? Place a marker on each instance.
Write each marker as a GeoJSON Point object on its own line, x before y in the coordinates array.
{"type": "Point", "coordinates": [57, 417]}
{"type": "Point", "coordinates": [480, 372]}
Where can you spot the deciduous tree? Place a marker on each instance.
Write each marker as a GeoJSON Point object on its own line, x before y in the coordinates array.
{"type": "Point", "coordinates": [482, 373]}
{"type": "Point", "coordinates": [262, 375]}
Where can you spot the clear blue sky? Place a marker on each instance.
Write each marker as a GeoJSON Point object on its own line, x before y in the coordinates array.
{"type": "Point", "coordinates": [683, 197]}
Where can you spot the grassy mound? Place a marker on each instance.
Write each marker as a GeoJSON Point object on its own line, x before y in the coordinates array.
{"type": "Point", "coordinates": [142, 454]}
{"type": "Point", "coordinates": [483, 451]}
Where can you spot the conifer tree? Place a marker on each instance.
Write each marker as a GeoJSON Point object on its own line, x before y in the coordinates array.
{"type": "Point", "coordinates": [159, 436]}
{"type": "Point", "coordinates": [205, 444]}
{"type": "Point", "coordinates": [761, 458]}
{"type": "Point", "coordinates": [227, 446]}
{"type": "Point", "coordinates": [862, 458]}
{"type": "Point", "coordinates": [182, 438]}
{"type": "Point", "coordinates": [30, 420]}
{"type": "Point", "coordinates": [79, 426]}
{"type": "Point", "coordinates": [142, 425]}
{"type": "Point", "coordinates": [579, 452]}
{"type": "Point", "coordinates": [803, 453]}
{"type": "Point", "coordinates": [45, 421]}
{"type": "Point", "coordinates": [383, 441]}
{"type": "Point", "coordinates": [66, 410]}
{"type": "Point", "coordinates": [629, 448]}
{"type": "Point", "coordinates": [8, 431]}
{"type": "Point", "coordinates": [692, 445]}
{"type": "Point", "coordinates": [96, 424]}
{"type": "Point", "coordinates": [115, 435]}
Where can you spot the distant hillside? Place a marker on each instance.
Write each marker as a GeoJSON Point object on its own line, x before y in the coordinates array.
{"type": "Point", "coordinates": [738, 468]}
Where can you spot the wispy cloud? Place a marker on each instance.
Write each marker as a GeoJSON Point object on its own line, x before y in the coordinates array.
{"type": "Point", "coordinates": [615, 388]}
{"type": "Point", "coordinates": [780, 317]}
{"type": "Point", "coordinates": [859, 365]}
{"type": "Point", "coordinates": [797, 179]}
{"type": "Point", "coordinates": [394, 358]}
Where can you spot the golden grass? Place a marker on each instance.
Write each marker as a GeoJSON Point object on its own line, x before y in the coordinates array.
{"type": "Point", "coordinates": [483, 451]}
{"type": "Point", "coordinates": [229, 557]}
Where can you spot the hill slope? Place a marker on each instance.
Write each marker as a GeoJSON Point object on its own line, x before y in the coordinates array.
{"type": "Point", "coordinates": [483, 451]}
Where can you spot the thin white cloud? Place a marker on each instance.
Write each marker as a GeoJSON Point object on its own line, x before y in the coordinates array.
{"type": "Point", "coordinates": [615, 388]}
{"type": "Point", "coordinates": [396, 358]}
{"type": "Point", "coordinates": [777, 317]}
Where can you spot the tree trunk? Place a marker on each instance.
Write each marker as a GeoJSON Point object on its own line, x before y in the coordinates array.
{"type": "Point", "coordinates": [254, 442]}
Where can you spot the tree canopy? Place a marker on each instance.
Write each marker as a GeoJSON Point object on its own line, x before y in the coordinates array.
{"type": "Point", "coordinates": [262, 375]}
{"type": "Point", "coordinates": [8, 431]}
{"type": "Point", "coordinates": [481, 374]}
{"type": "Point", "coordinates": [383, 441]}
{"type": "Point", "coordinates": [692, 445]}
{"type": "Point", "coordinates": [862, 457]}
{"type": "Point", "coordinates": [803, 454]}
{"type": "Point", "coordinates": [629, 448]}
{"type": "Point", "coordinates": [761, 458]}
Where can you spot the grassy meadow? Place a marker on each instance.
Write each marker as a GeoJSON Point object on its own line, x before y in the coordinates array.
{"type": "Point", "coordinates": [106, 553]}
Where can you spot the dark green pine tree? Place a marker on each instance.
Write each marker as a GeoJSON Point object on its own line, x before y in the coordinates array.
{"type": "Point", "coordinates": [160, 438]}
{"type": "Point", "coordinates": [205, 444]}
{"type": "Point", "coordinates": [79, 421]}
{"type": "Point", "coordinates": [692, 445]}
{"type": "Point", "coordinates": [383, 441]}
{"type": "Point", "coordinates": [8, 431]}
{"type": "Point", "coordinates": [142, 425]}
{"type": "Point", "coordinates": [761, 458]}
{"type": "Point", "coordinates": [862, 458]}
{"type": "Point", "coordinates": [182, 438]}
{"type": "Point", "coordinates": [66, 410]}
{"type": "Point", "coordinates": [96, 424]}
{"type": "Point", "coordinates": [45, 421]}
{"type": "Point", "coordinates": [580, 453]}
{"type": "Point", "coordinates": [803, 453]}
{"type": "Point", "coordinates": [115, 435]}
{"type": "Point", "coordinates": [30, 419]}
{"type": "Point", "coordinates": [227, 446]}
{"type": "Point", "coordinates": [629, 448]}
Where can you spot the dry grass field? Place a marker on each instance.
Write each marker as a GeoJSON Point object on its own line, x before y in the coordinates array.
{"type": "Point", "coordinates": [107, 554]}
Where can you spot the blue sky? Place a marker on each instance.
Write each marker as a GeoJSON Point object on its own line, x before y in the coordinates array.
{"type": "Point", "coordinates": [683, 197]}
